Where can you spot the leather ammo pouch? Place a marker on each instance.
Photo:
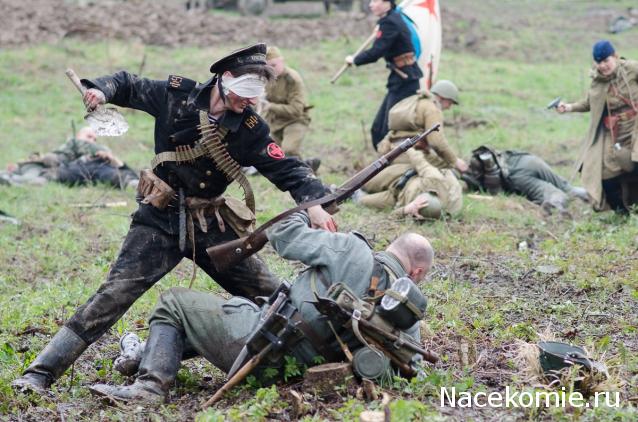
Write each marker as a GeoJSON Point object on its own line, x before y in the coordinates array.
{"type": "Point", "coordinates": [226, 210]}
{"type": "Point", "coordinates": [610, 121]}
{"type": "Point", "coordinates": [153, 190]}
{"type": "Point", "coordinates": [405, 59]}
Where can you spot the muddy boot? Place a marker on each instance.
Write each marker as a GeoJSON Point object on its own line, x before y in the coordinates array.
{"type": "Point", "coordinates": [157, 371]}
{"type": "Point", "coordinates": [131, 351]}
{"type": "Point", "coordinates": [63, 349]}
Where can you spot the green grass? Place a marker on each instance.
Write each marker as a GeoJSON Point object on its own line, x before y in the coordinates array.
{"type": "Point", "coordinates": [482, 290]}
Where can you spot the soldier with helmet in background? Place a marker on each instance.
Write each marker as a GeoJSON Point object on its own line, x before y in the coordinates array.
{"type": "Point", "coordinates": [520, 173]}
{"type": "Point", "coordinates": [421, 182]}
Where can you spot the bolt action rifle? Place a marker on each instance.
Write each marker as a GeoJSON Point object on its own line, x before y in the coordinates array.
{"type": "Point", "coordinates": [229, 254]}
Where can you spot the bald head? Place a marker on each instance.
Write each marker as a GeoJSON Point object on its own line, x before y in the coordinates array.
{"type": "Point", "coordinates": [86, 134]}
{"type": "Point", "coordinates": [415, 253]}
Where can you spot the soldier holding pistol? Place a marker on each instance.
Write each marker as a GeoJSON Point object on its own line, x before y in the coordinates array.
{"type": "Point", "coordinates": [609, 153]}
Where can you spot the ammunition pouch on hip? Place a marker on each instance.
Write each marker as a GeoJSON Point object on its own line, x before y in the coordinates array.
{"type": "Point", "coordinates": [153, 190]}
{"type": "Point", "coordinates": [404, 179]}
{"type": "Point", "coordinates": [225, 210]}
{"type": "Point", "coordinates": [405, 59]}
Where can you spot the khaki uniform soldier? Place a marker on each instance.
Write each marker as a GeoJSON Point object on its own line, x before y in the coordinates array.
{"type": "Point", "coordinates": [609, 154]}
{"type": "Point", "coordinates": [285, 109]}
{"type": "Point", "coordinates": [425, 168]}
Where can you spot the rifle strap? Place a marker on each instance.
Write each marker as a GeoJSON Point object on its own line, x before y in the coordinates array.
{"type": "Point", "coordinates": [377, 272]}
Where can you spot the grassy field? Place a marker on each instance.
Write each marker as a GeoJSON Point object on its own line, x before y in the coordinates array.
{"type": "Point", "coordinates": [485, 292]}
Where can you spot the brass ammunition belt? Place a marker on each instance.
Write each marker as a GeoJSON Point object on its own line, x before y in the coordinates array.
{"type": "Point", "coordinates": [210, 146]}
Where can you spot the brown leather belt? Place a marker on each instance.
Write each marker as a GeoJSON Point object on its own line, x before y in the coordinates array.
{"type": "Point", "coordinates": [405, 59]}
{"type": "Point", "coordinates": [610, 121]}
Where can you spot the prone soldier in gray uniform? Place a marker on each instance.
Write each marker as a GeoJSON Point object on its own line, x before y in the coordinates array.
{"type": "Point", "coordinates": [187, 323]}
{"type": "Point", "coordinates": [204, 133]}
{"type": "Point", "coordinates": [521, 173]}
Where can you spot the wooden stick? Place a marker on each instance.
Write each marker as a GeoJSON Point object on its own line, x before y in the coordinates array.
{"type": "Point", "coordinates": [356, 53]}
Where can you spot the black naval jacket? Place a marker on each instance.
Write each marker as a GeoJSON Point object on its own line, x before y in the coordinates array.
{"type": "Point", "coordinates": [393, 39]}
{"type": "Point", "coordinates": [175, 104]}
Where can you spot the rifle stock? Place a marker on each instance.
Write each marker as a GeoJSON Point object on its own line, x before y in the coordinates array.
{"type": "Point", "coordinates": [229, 254]}
{"type": "Point", "coordinates": [238, 377]}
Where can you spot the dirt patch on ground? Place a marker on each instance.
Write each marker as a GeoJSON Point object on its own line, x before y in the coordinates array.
{"type": "Point", "coordinates": [158, 24]}
{"type": "Point", "coordinates": [487, 29]}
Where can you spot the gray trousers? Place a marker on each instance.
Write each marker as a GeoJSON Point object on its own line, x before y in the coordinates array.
{"type": "Point", "coordinates": [531, 176]}
{"type": "Point", "coordinates": [213, 327]}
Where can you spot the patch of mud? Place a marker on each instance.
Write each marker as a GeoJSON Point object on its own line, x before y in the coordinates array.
{"type": "Point", "coordinates": [155, 23]}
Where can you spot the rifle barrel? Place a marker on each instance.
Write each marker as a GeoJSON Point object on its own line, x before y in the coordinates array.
{"type": "Point", "coordinates": [228, 254]}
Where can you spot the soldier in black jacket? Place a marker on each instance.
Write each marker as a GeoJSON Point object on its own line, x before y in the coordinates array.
{"type": "Point", "coordinates": [203, 135]}
{"type": "Point", "coordinates": [394, 44]}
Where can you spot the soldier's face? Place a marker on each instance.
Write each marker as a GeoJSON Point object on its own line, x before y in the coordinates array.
{"type": "Point", "coordinates": [446, 104]}
{"type": "Point", "coordinates": [379, 7]}
{"type": "Point", "coordinates": [277, 64]}
{"type": "Point", "coordinates": [607, 66]}
{"type": "Point", "coordinates": [87, 134]}
{"type": "Point", "coordinates": [238, 104]}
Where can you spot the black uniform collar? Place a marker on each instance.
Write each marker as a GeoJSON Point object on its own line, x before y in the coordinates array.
{"type": "Point", "coordinates": [200, 99]}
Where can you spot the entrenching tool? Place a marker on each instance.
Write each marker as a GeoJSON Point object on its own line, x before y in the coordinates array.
{"type": "Point", "coordinates": [554, 103]}
{"type": "Point", "coordinates": [104, 121]}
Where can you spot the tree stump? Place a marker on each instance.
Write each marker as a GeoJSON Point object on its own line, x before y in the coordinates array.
{"type": "Point", "coordinates": [322, 379]}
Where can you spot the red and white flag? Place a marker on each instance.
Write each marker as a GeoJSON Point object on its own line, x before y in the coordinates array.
{"type": "Point", "coordinates": [426, 16]}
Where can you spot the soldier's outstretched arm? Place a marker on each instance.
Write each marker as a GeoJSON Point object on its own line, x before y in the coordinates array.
{"type": "Point", "coordinates": [293, 239]}
{"type": "Point", "coordinates": [127, 90]}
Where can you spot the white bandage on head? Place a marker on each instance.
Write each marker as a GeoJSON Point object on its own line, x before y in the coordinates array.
{"type": "Point", "coordinates": [249, 85]}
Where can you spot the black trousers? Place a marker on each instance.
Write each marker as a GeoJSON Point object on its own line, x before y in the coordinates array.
{"type": "Point", "coordinates": [149, 252]}
{"type": "Point", "coordinates": [395, 94]}
{"type": "Point", "coordinates": [621, 191]}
